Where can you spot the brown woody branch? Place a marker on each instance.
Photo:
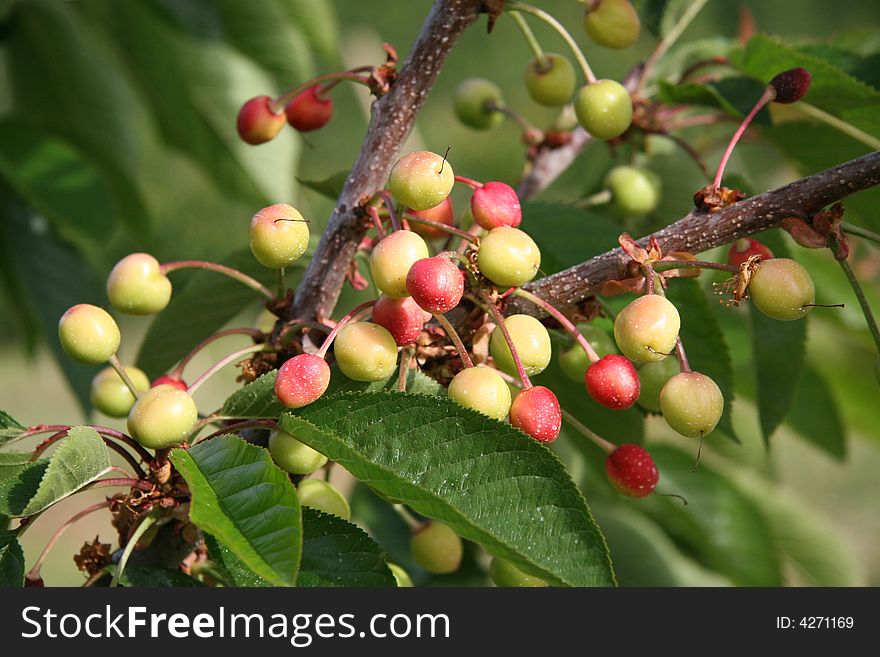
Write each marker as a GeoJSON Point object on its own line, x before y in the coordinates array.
{"type": "Point", "coordinates": [699, 231]}
{"type": "Point", "coordinates": [393, 116]}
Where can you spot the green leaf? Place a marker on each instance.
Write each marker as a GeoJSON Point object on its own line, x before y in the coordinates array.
{"type": "Point", "coordinates": [338, 553]}
{"type": "Point", "coordinates": [487, 480]}
{"type": "Point", "coordinates": [660, 16]}
{"type": "Point", "coordinates": [203, 306]}
{"type": "Point", "coordinates": [11, 463]}
{"type": "Point", "coordinates": [154, 576]}
{"type": "Point", "coordinates": [704, 341]}
{"type": "Point", "coordinates": [720, 527]}
{"type": "Point", "coordinates": [238, 574]}
{"type": "Point", "coordinates": [241, 497]}
{"type": "Point", "coordinates": [331, 187]}
{"type": "Point", "coordinates": [79, 459]}
{"type": "Point", "coordinates": [734, 95]}
{"type": "Point", "coordinates": [11, 560]}
{"type": "Point", "coordinates": [257, 399]}
{"type": "Point", "coordinates": [815, 416]}
{"type": "Point", "coordinates": [9, 428]}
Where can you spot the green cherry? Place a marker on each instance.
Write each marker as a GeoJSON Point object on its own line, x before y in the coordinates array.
{"type": "Point", "coordinates": [634, 191]}
{"type": "Point", "coordinates": [436, 547]}
{"type": "Point", "coordinates": [472, 100]}
{"type": "Point", "coordinates": [532, 343]}
{"type": "Point", "coordinates": [504, 573]}
{"type": "Point", "coordinates": [782, 289]}
{"type": "Point", "coordinates": [604, 109]}
{"type": "Point", "coordinates": [110, 395]}
{"type": "Point", "coordinates": [88, 334]}
{"type": "Point", "coordinates": [279, 236]}
{"type": "Point", "coordinates": [294, 456]}
{"type": "Point", "coordinates": [137, 286]}
{"type": "Point", "coordinates": [508, 257]}
{"type": "Point", "coordinates": [647, 329]}
{"type": "Point", "coordinates": [365, 351]}
{"type": "Point", "coordinates": [612, 23]}
{"type": "Point", "coordinates": [483, 390]}
{"type": "Point", "coordinates": [392, 258]}
{"type": "Point", "coordinates": [553, 83]}
{"type": "Point", "coordinates": [318, 494]}
{"type": "Point", "coordinates": [164, 416]}
{"type": "Point", "coordinates": [421, 180]}
{"type": "Point", "coordinates": [692, 404]}
{"type": "Point", "coordinates": [653, 376]}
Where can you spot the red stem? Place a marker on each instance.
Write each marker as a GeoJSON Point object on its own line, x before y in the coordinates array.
{"type": "Point", "coordinates": [682, 356]}
{"type": "Point", "coordinates": [322, 352]}
{"type": "Point", "coordinates": [178, 371]}
{"type": "Point", "coordinates": [452, 230]}
{"type": "Point", "coordinates": [499, 320]}
{"type": "Point", "coordinates": [470, 182]}
{"type": "Point", "coordinates": [241, 277]}
{"type": "Point", "coordinates": [34, 573]}
{"type": "Point", "coordinates": [279, 103]}
{"type": "Point", "coordinates": [456, 339]}
{"type": "Point", "coordinates": [567, 324]}
{"type": "Point", "coordinates": [765, 98]}
{"type": "Point", "coordinates": [377, 222]}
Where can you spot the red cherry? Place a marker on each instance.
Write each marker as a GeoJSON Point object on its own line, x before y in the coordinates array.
{"type": "Point", "coordinates": [536, 412]}
{"type": "Point", "coordinates": [442, 214]}
{"type": "Point", "coordinates": [308, 110]}
{"type": "Point", "coordinates": [632, 471]}
{"type": "Point", "coordinates": [791, 85]}
{"type": "Point", "coordinates": [613, 382]}
{"type": "Point", "coordinates": [496, 204]}
{"type": "Point", "coordinates": [301, 380]}
{"type": "Point", "coordinates": [166, 380]}
{"type": "Point", "coordinates": [402, 317]}
{"type": "Point", "coordinates": [257, 123]}
{"type": "Point", "coordinates": [744, 248]}
{"type": "Point", "coordinates": [435, 284]}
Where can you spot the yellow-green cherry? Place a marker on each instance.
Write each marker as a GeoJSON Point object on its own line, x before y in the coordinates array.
{"type": "Point", "coordinates": [473, 102]}
{"type": "Point", "coordinates": [294, 456]}
{"type": "Point", "coordinates": [612, 23]}
{"type": "Point", "coordinates": [318, 494]}
{"type": "Point", "coordinates": [504, 573]}
{"type": "Point", "coordinates": [365, 351]}
{"type": "Point", "coordinates": [691, 404]}
{"type": "Point", "coordinates": [392, 258]}
{"type": "Point", "coordinates": [604, 109]}
{"type": "Point", "coordinates": [421, 180]}
{"type": "Point", "coordinates": [508, 257]}
{"type": "Point", "coordinates": [164, 416]}
{"type": "Point", "coordinates": [552, 81]}
{"type": "Point", "coordinates": [279, 236]}
{"type": "Point", "coordinates": [110, 395]}
{"type": "Point", "coordinates": [531, 341]}
{"type": "Point", "coordinates": [647, 329]}
{"type": "Point", "coordinates": [88, 334]}
{"type": "Point", "coordinates": [782, 289]}
{"type": "Point", "coordinates": [483, 390]}
{"type": "Point", "coordinates": [137, 286]}
{"type": "Point", "coordinates": [436, 547]}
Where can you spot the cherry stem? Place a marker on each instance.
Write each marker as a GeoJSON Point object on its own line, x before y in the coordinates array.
{"type": "Point", "coordinates": [666, 265]}
{"type": "Point", "coordinates": [470, 182]}
{"type": "Point", "coordinates": [556, 25]}
{"type": "Point", "coordinates": [452, 230]}
{"type": "Point", "coordinates": [766, 97]}
{"type": "Point", "coordinates": [117, 365]}
{"type": "Point", "coordinates": [392, 213]}
{"type": "Point", "coordinates": [514, 116]}
{"type": "Point", "coordinates": [499, 320]}
{"type": "Point", "coordinates": [408, 518]}
{"type": "Point", "coordinates": [838, 124]}
{"type": "Point", "coordinates": [600, 442]}
{"type": "Point", "coordinates": [238, 426]}
{"type": "Point", "coordinates": [377, 221]}
{"type": "Point", "coordinates": [241, 277]}
{"type": "Point", "coordinates": [121, 482]}
{"type": "Point", "coordinates": [669, 40]}
{"type": "Point", "coordinates": [860, 232]}
{"type": "Point", "coordinates": [682, 356]}
{"type": "Point", "coordinates": [291, 328]}
{"type": "Point", "coordinates": [863, 302]}
{"type": "Point", "coordinates": [456, 339]}
{"type": "Point", "coordinates": [34, 573]}
{"type": "Point", "coordinates": [141, 529]}
{"type": "Point", "coordinates": [325, 346]}
{"type": "Point", "coordinates": [64, 428]}
{"type": "Point", "coordinates": [116, 447]}
{"type": "Point", "coordinates": [406, 357]}
{"type": "Point", "coordinates": [649, 278]}
{"type": "Point", "coordinates": [178, 371]}
{"type": "Point", "coordinates": [599, 198]}
{"type": "Point", "coordinates": [216, 367]}
{"type": "Point", "coordinates": [279, 103]}
{"type": "Point", "coordinates": [567, 324]}
{"type": "Point", "coordinates": [529, 36]}
{"type": "Point", "coordinates": [281, 284]}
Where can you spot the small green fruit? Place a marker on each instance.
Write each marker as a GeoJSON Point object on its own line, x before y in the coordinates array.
{"type": "Point", "coordinates": [574, 361]}
{"type": "Point", "coordinates": [553, 84]}
{"type": "Point", "coordinates": [612, 23]}
{"type": "Point", "coordinates": [504, 573]}
{"type": "Point", "coordinates": [164, 416]}
{"type": "Point", "coordinates": [782, 289]}
{"type": "Point", "coordinates": [392, 258]}
{"type": "Point", "coordinates": [482, 389]}
{"type": "Point", "coordinates": [111, 396]}
{"type": "Point", "coordinates": [508, 257]}
{"type": "Point", "coordinates": [365, 351]}
{"type": "Point", "coordinates": [294, 456]}
{"type": "Point", "coordinates": [647, 329]}
{"type": "Point", "coordinates": [318, 494]}
{"type": "Point", "coordinates": [653, 377]}
{"type": "Point", "coordinates": [88, 334]}
{"type": "Point", "coordinates": [532, 343]}
{"type": "Point", "coordinates": [278, 236]}
{"type": "Point", "coordinates": [634, 191]}
{"type": "Point", "coordinates": [472, 100]}
{"type": "Point", "coordinates": [604, 109]}
{"type": "Point", "coordinates": [421, 180]}
{"type": "Point", "coordinates": [692, 404]}
{"type": "Point", "coordinates": [436, 547]}
{"type": "Point", "coordinates": [137, 286]}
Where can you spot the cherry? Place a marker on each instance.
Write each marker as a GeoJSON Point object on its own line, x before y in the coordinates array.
{"type": "Point", "coordinates": [257, 122]}
{"type": "Point", "coordinates": [613, 382]}
{"type": "Point", "coordinates": [88, 334]}
{"type": "Point", "coordinates": [496, 204]}
{"type": "Point", "coordinates": [536, 411]}
{"type": "Point", "coordinates": [604, 109]}
{"type": "Point", "coordinates": [483, 390]}
{"type": "Point", "coordinates": [692, 404]}
{"type": "Point", "coordinates": [612, 23]}
{"type": "Point", "coordinates": [166, 380]}
{"type": "Point", "coordinates": [442, 214]}
{"type": "Point", "coordinates": [504, 573]}
{"type": "Point", "coordinates": [632, 471]}
{"type": "Point", "coordinates": [552, 83]}
{"type": "Point", "coordinates": [791, 85]}
{"type": "Point", "coordinates": [302, 380]}
{"type": "Point", "coordinates": [137, 286]}
{"type": "Point", "coordinates": [508, 257]}
{"type": "Point", "coordinates": [653, 377]}
{"type": "Point", "coordinates": [320, 495]}
{"type": "Point", "coordinates": [782, 289]}
{"type": "Point", "coordinates": [634, 191]}
{"type": "Point", "coordinates": [392, 258]}
{"type": "Point", "coordinates": [400, 576]}
{"type": "Point", "coordinates": [472, 102]}
{"type": "Point", "coordinates": [162, 417]}
{"type": "Point", "coordinates": [435, 284]}
{"type": "Point", "coordinates": [309, 110]}
{"type": "Point", "coordinates": [278, 236]}
{"type": "Point", "coordinates": [436, 547]}
{"type": "Point", "coordinates": [403, 318]}
{"type": "Point", "coordinates": [574, 360]}
{"type": "Point", "coordinates": [646, 330]}
{"type": "Point", "coordinates": [421, 180]}
{"type": "Point", "coordinates": [531, 341]}
{"type": "Point", "coordinates": [365, 351]}
{"type": "Point", "coordinates": [294, 456]}
{"type": "Point", "coordinates": [111, 396]}
{"type": "Point", "coordinates": [744, 248]}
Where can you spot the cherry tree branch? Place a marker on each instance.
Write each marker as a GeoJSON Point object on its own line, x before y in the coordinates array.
{"type": "Point", "coordinates": [392, 120]}
{"type": "Point", "coordinates": [699, 231]}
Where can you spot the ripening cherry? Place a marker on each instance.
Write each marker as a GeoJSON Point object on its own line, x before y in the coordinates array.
{"type": "Point", "coordinates": [531, 341]}
{"type": "Point", "coordinates": [294, 456]}
{"type": "Point", "coordinates": [692, 404]}
{"type": "Point", "coordinates": [504, 573]}
{"type": "Point", "coordinates": [604, 109]}
{"type": "Point", "coordinates": [166, 380]}
{"type": "Point", "coordinates": [496, 204]}
{"type": "Point", "coordinates": [653, 377]}
{"type": "Point", "coordinates": [109, 393]}
{"type": "Point", "coordinates": [421, 180]}
{"type": "Point", "coordinates": [744, 248]}
{"type": "Point", "coordinates": [536, 411]}
{"type": "Point", "coordinates": [365, 351]}
{"type": "Point", "coordinates": [302, 380]}
{"type": "Point", "coordinates": [782, 289]}
{"type": "Point", "coordinates": [508, 257]}
{"type": "Point", "coordinates": [403, 318]}
{"type": "Point", "coordinates": [309, 110]}
{"type": "Point", "coordinates": [88, 334]}
{"type": "Point", "coordinates": [552, 81]}
{"type": "Point", "coordinates": [279, 236]}
{"type": "Point", "coordinates": [320, 495]}
{"type": "Point", "coordinates": [435, 284]}
{"type": "Point", "coordinates": [647, 329]}
{"type": "Point", "coordinates": [632, 471]}
{"type": "Point", "coordinates": [164, 416]}
{"type": "Point", "coordinates": [137, 286]}
{"type": "Point", "coordinates": [574, 360]}
{"type": "Point", "coordinates": [436, 547]}
{"type": "Point", "coordinates": [483, 390]}
{"type": "Point", "coordinates": [257, 122]}
{"type": "Point", "coordinates": [791, 85]}
{"type": "Point", "coordinates": [442, 214]}
{"type": "Point", "coordinates": [612, 23]}
{"type": "Point", "coordinates": [472, 102]}
{"type": "Point", "coordinates": [613, 382]}
{"type": "Point", "coordinates": [392, 258]}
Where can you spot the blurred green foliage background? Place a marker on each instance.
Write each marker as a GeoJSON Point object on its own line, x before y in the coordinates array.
{"type": "Point", "coordinates": [117, 133]}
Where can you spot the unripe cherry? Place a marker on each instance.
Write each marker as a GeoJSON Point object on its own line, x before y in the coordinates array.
{"type": "Point", "coordinates": [109, 393]}
{"type": "Point", "coordinates": [508, 257]}
{"type": "Point", "coordinates": [612, 23]}
{"type": "Point", "coordinates": [632, 471]}
{"type": "Point", "coordinates": [278, 236]}
{"type": "Point", "coordinates": [653, 376]}
{"type": "Point", "coordinates": [320, 495]}
{"type": "Point", "coordinates": [531, 341]}
{"type": "Point", "coordinates": [257, 123]}
{"type": "Point", "coordinates": [403, 318]}
{"type": "Point", "coordinates": [302, 380]}
{"type": "Point", "coordinates": [744, 248]}
{"type": "Point", "coordinates": [435, 284]}
{"type": "Point", "coordinates": [483, 390]}
{"type": "Point", "coordinates": [164, 416]}
{"type": "Point", "coordinates": [88, 334]}
{"type": "Point", "coordinates": [294, 456]}
{"type": "Point", "coordinates": [574, 360]}
{"type": "Point", "coordinates": [536, 412]}
{"type": "Point", "coordinates": [137, 286]}
{"type": "Point", "coordinates": [471, 101]}
{"type": "Point", "coordinates": [496, 204]}
{"type": "Point", "coordinates": [647, 329]}
{"type": "Point", "coordinates": [604, 109]}
{"type": "Point", "coordinates": [436, 547]}
{"type": "Point", "coordinates": [613, 382]}
{"type": "Point", "coordinates": [782, 289]}
{"type": "Point", "coordinates": [553, 83]}
{"type": "Point", "coordinates": [365, 351]}
{"type": "Point", "coordinates": [504, 573]}
{"type": "Point", "coordinates": [635, 191]}
{"type": "Point", "coordinates": [309, 110]}
{"type": "Point", "coordinates": [421, 180]}
{"type": "Point", "coordinates": [392, 258]}
{"type": "Point", "coordinates": [692, 404]}
{"type": "Point", "coordinates": [442, 214]}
